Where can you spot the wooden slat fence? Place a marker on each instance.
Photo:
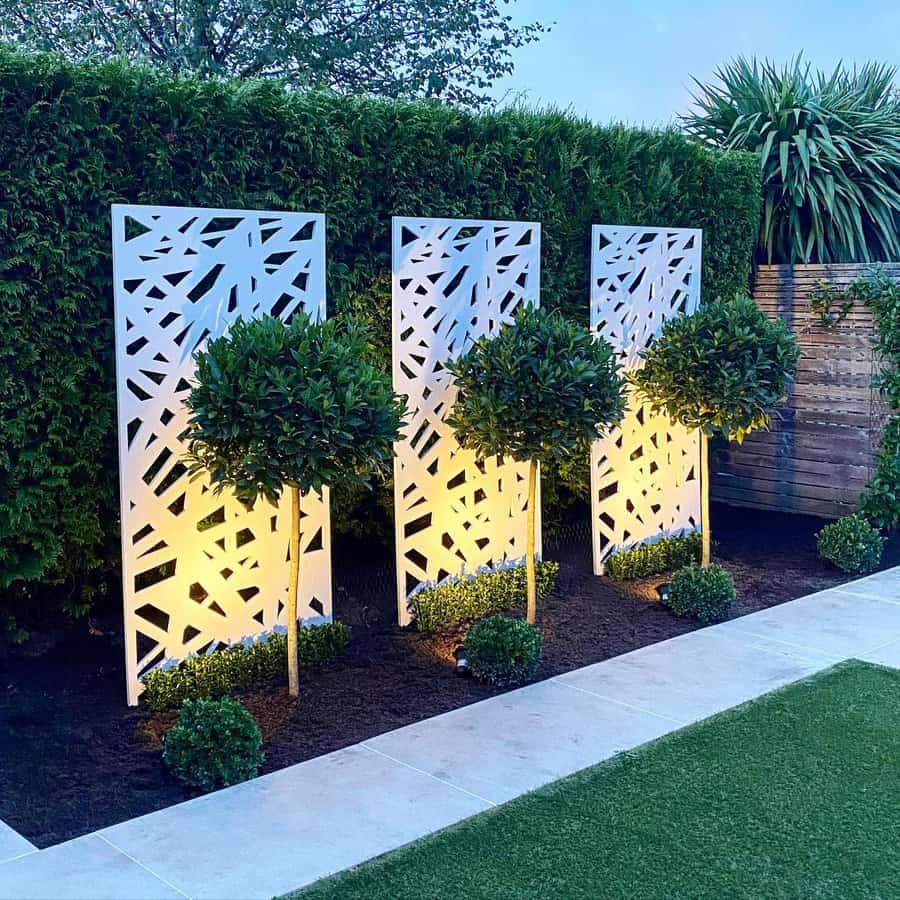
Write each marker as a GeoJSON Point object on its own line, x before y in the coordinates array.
{"type": "Point", "coordinates": [819, 456]}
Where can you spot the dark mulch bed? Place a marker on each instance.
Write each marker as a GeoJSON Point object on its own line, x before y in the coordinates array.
{"type": "Point", "coordinates": [74, 758]}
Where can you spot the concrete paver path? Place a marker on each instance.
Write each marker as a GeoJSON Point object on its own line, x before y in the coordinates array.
{"type": "Point", "coordinates": [287, 829]}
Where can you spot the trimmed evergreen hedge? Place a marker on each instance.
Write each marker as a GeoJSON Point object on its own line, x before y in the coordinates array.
{"type": "Point", "coordinates": [77, 137]}
{"type": "Point", "coordinates": [664, 555]}
{"type": "Point", "coordinates": [240, 666]}
{"type": "Point", "coordinates": [478, 595]}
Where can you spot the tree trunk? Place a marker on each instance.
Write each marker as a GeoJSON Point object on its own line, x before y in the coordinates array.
{"type": "Point", "coordinates": [293, 587]}
{"type": "Point", "coordinates": [531, 581]}
{"type": "Point", "coordinates": [705, 526]}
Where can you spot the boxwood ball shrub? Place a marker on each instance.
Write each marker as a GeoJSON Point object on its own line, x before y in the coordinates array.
{"type": "Point", "coordinates": [474, 596]}
{"type": "Point", "coordinates": [851, 543]}
{"type": "Point", "coordinates": [503, 651]}
{"type": "Point", "coordinates": [215, 743]}
{"type": "Point", "coordinates": [241, 666]}
{"type": "Point", "coordinates": [704, 594]}
{"type": "Point", "coordinates": [723, 370]}
{"type": "Point", "coordinates": [540, 390]}
{"type": "Point", "coordinates": [78, 137]}
{"type": "Point", "coordinates": [664, 555]}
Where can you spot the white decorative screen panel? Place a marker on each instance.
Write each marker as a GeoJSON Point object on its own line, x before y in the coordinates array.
{"type": "Point", "coordinates": [198, 569]}
{"type": "Point", "coordinates": [453, 282]}
{"type": "Point", "coordinates": [645, 475]}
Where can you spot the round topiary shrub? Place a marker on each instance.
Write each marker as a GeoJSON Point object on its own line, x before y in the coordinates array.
{"type": "Point", "coordinates": [852, 544]}
{"type": "Point", "coordinates": [705, 594]}
{"type": "Point", "coordinates": [503, 651]}
{"type": "Point", "coordinates": [215, 743]}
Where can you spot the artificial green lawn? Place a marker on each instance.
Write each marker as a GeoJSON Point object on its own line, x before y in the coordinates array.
{"type": "Point", "coordinates": [794, 795]}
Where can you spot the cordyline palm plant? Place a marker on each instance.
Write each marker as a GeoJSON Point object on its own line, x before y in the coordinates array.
{"type": "Point", "coordinates": [829, 148]}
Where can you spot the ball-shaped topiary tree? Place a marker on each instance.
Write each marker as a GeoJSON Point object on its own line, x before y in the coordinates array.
{"type": "Point", "coordinates": [291, 406]}
{"type": "Point", "coordinates": [723, 370]}
{"type": "Point", "coordinates": [540, 390]}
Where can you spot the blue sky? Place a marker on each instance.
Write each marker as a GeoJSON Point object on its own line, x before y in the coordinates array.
{"type": "Point", "coordinates": [633, 61]}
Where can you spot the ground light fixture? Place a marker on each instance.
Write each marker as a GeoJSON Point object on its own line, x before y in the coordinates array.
{"type": "Point", "coordinates": [462, 661]}
{"type": "Point", "coordinates": [662, 591]}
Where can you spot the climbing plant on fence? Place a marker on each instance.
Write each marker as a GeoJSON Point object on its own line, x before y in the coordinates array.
{"type": "Point", "coordinates": [78, 137]}
{"type": "Point", "coordinates": [880, 502]}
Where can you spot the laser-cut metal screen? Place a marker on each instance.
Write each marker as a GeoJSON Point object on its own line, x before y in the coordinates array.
{"type": "Point", "coordinates": [198, 569]}
{"type": "Point", "coordinates": [453, 281]}
{"type": "Point", "coordinates": [645, 475]}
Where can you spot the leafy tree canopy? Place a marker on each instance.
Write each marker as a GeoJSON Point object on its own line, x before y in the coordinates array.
{"type": "Point", "coordinates": [448, 49]}
{"type": "Point", "coordinates": [541, 389]}
{"type": "Point", "coordinates": [295, 405]}
{"type": "Point", "coordinates": [724, 369]}
{"type": "Point", "coordinates": [829, 150]}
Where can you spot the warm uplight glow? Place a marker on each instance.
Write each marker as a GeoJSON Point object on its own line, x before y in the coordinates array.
{"type": "Point", "coordinates": [200, 569]}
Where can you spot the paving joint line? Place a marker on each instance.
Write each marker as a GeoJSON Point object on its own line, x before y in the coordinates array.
{"type": "Point", "coordinates": [893, 640]}
{"type": "Point", "coordinates": [834, 658]}
{"type": "Point", "coordinates": [22, 855]}
{"type": "Point", "coordinates": [144, 866]}
{"type": "Point", "coordinates": [862, 596]}
{"type": "Point", "coordinates": [790, 650]}
{"type": "Point", "coordinates": [413, 768]}
{"type": "Point", "coordinates": [649, 712]}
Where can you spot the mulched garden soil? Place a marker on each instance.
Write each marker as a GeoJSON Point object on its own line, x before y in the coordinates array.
{"type": "Point", "coordinates": [74, 758]}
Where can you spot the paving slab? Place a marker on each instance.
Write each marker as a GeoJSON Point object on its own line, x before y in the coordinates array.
{"type": "Point", "coordinates": [888, 655]}
{"type": "Point", "coordinates": [885, 585]}
{"type": "Point", "coordinates": [838, 622]}
{"type": "Point", "coordinates": [507, 745]}
{"type": "Point", "coordinates": [287, 829]}
{"type": "Point", "coordinates": [697, 674]}
{"type": "Point", "coordinates": [12, 844]}
{"type": "Point", "coordinates": [87, 867]}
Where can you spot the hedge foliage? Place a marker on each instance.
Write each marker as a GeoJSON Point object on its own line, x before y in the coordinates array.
{"type": "Point", "coordinates": [503, 651]}
{"type": "Point", "coordinates": [214, 743]}
{"type": "Point", "coordinates": [664, 555]}
{"type": "Point", "coordinates": [852, 543]}
{"type": "Point", "coordinates": [239, 667]}
{"type": "Point", "coordinates": [703, 594]}
{"type": "Point", "coordinates": [478, 595]}
{"type": "Point", "coordinates": [78, 137]}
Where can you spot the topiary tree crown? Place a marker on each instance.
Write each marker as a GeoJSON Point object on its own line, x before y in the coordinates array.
{"type": "Point", "coordinates": [294, 406]}
{"type": "Point", "coordinates": [723, 370]}
{"type": "Point", "coordinates": [540, 390]}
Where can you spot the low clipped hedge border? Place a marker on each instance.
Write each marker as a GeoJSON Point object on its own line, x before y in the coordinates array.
{"type": "Point", "coordinates": [478, 595]}
{"type": "Point", "coordinates": [664, 555]}
{"type": "Point", "coordinates": [236, 668]}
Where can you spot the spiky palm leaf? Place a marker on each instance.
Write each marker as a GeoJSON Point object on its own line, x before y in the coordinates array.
{"type": "Point", "coordinates": [829, 148]}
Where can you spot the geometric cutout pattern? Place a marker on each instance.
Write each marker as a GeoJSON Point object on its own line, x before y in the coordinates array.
{"type": "Point", "coordinates": [454, 281]}
{"type": "Point", "coordinates": [199, 570]}
{"type": "Point", "coordinates": [645, 473]}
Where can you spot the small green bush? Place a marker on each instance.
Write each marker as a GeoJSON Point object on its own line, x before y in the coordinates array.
{"type": "Point", "coordinates": [705, 594]}
{"type": "Point", "coordinates": [478, 595]}
{"type": "Point", "coordinates": [664, 555]}
{"type": "Point", "coordinates": [241, 666]}
{"type": "Point", "coordinates": [852, 543]}
{"type": "Point", "coordinates": [503, 651]}
{"type": "Point", "coordinates": [214, 744]}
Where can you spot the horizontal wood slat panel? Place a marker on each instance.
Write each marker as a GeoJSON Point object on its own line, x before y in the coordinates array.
{"type": "Point", "coordinates": [818, 456]}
